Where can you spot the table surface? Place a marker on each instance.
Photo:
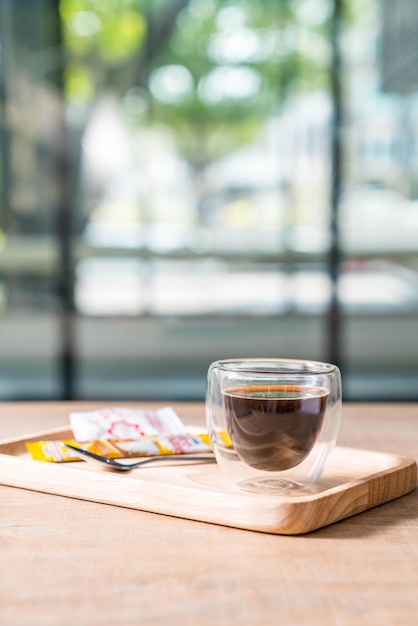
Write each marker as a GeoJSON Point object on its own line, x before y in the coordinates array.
{"type": "Point", "coordinates": [66, 561]}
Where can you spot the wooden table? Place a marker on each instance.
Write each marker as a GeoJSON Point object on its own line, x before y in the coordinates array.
{"type": "Point", "coordinates": [66, 561]}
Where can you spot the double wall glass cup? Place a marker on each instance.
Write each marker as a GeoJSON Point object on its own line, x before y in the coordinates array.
{"type": "Point", "coordinates": [273, 422]}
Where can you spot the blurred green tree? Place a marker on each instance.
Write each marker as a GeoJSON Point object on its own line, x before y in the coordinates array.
{"type": "Point", "coordinates": [212, 71]}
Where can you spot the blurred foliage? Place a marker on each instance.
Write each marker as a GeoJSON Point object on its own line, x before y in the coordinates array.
{"type": "Point", "coordinates": [98, 35]}
{"type": "Point", "coordinates": [211, 70]}
{"type": "Point", "coordinates": [111, 31]}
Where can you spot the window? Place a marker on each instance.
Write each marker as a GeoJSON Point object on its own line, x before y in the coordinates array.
{"type": "Point", "coordinates": [171, 194]}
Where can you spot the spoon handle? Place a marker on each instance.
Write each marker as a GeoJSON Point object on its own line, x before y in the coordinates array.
{"type": "Point", "coordinates": [97, 458]}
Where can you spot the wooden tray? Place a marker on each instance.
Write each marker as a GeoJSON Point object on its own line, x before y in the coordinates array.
{"type": "Point", "coordinates": [354, 480]}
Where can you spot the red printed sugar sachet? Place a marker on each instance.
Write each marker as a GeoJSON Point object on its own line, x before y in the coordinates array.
{"type": "Point", "coordinates": [119, 423]}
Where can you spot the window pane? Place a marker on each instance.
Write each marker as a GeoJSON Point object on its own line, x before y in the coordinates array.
{"type": "Point", "coordinates": [166, 180]}
{"type": "Point", "coordinates": [30, 119]}
{"type": "Point", "coordinates": [378, 213]}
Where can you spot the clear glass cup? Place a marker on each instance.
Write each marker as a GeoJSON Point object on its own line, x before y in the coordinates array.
{"type": "Point", "coordinates": [273, 422]}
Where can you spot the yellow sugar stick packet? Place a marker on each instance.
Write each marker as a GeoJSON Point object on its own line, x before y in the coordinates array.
{"type": "Point", "coordinates": [57, 452]}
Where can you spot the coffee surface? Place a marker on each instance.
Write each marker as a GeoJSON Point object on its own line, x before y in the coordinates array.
{"type": "Point", "coordinates": [274, 428]}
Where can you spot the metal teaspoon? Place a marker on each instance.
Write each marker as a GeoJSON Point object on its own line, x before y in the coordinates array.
{"type": "Point", "coordinates": [126, 467]}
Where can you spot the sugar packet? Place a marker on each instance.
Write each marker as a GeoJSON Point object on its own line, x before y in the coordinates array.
{"type": "Point", "coordinates": [57, 452]}
{"type": "Point", "coordinates": [120, 423]}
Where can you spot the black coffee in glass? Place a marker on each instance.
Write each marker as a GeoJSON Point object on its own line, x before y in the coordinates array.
{"type": "Point", "coordinates": [274, 427]}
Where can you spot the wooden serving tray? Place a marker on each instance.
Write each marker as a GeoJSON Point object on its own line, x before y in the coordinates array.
{"type": "Point", "coordinates": [354, 481]}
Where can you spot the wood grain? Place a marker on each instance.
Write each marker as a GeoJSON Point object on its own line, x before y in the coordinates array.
{"type": "Point", "coordinates": [65, 561]}
{"type": "Point", "coordinates": [354, 481]}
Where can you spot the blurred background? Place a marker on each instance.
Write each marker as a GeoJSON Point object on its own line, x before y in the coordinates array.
{"type": "Point", "coordinates": [188, 180]}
